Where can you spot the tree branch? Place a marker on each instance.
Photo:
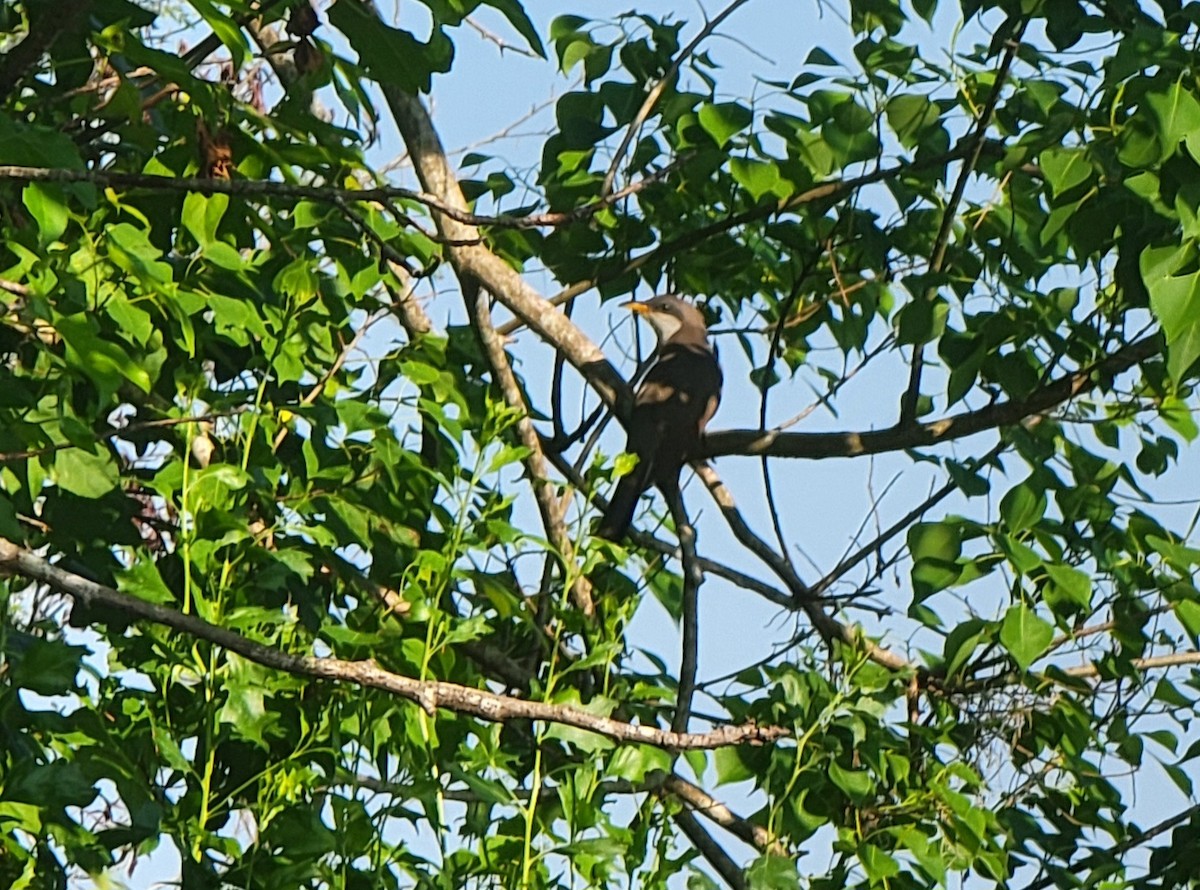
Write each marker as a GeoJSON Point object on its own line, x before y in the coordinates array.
{"type": "Point", "coordinates": [825, 191]}
{"type": "Point", "coordinates": [900, 525]}
{"type": "Point", "coordinates": [535, 462]}
{"type": "Point", "coordinates": [937, 261]}
{"type": "Point", "coordinates": [473, 260]}
{"type": "Point", "coordinates": [826, 625]}
{"type": "Point", "coordinates": [1114, 852]}
{"type": "Point", "coordinates": [1175, 659]}
{"type": "Point", "coordinates": [327, 194]}
{"type": "Point", "coordinates": [689, 620]}
{"type": "Point", "coordinates": [710, 849]}
{"type": "Point", "coordinates": [896, 438]}
{"type": "Point", "coordinates": [429, 694]}
{"type": "Point", "coordinates": [650, 542]}
{"type": "Point", "coordinates": [708, 806]}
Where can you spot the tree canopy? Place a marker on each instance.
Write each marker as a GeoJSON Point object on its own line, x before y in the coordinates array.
{"type": "Point", "coordinates": [301, 447]}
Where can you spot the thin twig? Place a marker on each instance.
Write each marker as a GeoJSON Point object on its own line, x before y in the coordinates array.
{"type": "Point", "coordinates": [831, 191]}
{"type": "Point", "coordinates": [162, 423]}
{"type": "Point", "coordinates": [849, 562]}
{"type": "Point", "coordinates": [826, 625]}
{"type": "Point", "coordinates": [937, 261]}
{"type": "Point", "coordinates": [263, 188]}
{"type": "Point", "coordinates": [785, 310]}
{"type": "Point", "coordinates": [656, 92]}
{"type": "Point", "coordinates": [1114, 852]}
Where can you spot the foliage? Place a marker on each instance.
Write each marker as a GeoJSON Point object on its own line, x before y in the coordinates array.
{"type": "Point", "coordinates": [186, 417]}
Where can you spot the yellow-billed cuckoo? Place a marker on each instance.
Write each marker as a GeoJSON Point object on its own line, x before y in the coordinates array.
{"type": "Point", "coordinates": [675, 400]}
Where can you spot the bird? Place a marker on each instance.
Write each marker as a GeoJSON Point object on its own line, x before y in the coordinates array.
{"type": "Point", "coordinates": [672, 405]}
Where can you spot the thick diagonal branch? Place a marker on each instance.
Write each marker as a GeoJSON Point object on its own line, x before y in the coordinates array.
{"type": "Point", "coordinates": [713, 852]}
{"type": "Point", "coordinates": [535, 460]}
{"type": "Point", "coordinates": [429, 694]}
{"type": "Point", "coordinates": [475, 261]}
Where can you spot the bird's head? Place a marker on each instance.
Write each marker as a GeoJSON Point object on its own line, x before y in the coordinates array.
{"type": "Point", "coordinates": [673, 319]}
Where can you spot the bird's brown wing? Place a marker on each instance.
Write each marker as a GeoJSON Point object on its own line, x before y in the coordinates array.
{"type": "Point", "coordinates": [676, 399]}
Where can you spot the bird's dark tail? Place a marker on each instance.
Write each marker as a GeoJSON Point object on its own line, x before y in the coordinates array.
{"type": "Point", "coordinates": [621, 507]}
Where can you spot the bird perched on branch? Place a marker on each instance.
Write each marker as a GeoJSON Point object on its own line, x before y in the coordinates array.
{"type": "Point", "coordinates": [674, 402]}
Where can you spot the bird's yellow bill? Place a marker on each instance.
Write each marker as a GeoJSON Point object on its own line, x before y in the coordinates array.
{"type": "Point", "coordinates": [635, 306]}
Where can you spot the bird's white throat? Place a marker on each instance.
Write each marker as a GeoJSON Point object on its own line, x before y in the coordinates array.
{"type": "Point", "coordinates": [664, 325]}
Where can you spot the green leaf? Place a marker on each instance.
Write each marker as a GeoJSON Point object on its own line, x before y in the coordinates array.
{"type": "Point", "coordinates": [1065, 168]}
{"type": "Point", "coordinates": [935, 547]}
{"type": "Point", "coordinates": [47, 204]}
{"type": "Point", "coordinates": [245, 707]}
{"type": "Point", "coordinates": [87, 474]}
{"type": "Point", "coordinates": [1188, 613]}
{"type": "Point", "coordinates": [297, 280]}
{"type": "Point", "coordinates": [731, 766]}
{"type": "Point", "coordinates": [634, 762]}
{"type": "Point", "coordinates": [1179, 416]}
{"type": "Point", "coordinates": [723, 120]}
{"type": "Point", "coordinates": [576, 51]}
{"type": "Point", "coordinates": [36, 146]}
{"type": "Point", "coordinates": [47, 667]}
{"type": "Point", "coordinates": [214, 485]}
{"type": "Point", "coordinates": [770, 872]}
{"type": "Point", "coordinates": [927, 855]}
{"type": "Point", "coordinates": [1167, 692]}
{"type": "Point", "coordinates": [909, 115]}
{"type": "Point", "coordinates": [1177, 113]}
{"type": "Point", "coordinates": [1022, 507]}
{"type": "Point", "coordinates": [1175, 302]}
{"type": "Point", "coordinates": [225, 28]}
{"type": "Point", "coordinates": [391, 55]}
{"type": "Point", "coordinates": [935, 540]}
{"type": "Point", "coordinates": [103, 361]}
{"type": "Point", "coordinates": [856, 783]}
{"type": "Point", "coordinates": [131, 250]}
{"type": "Point", "coordinates": [1178, 555]}
{"type": "Point", "coordinates": [878, 865]}
{"type": "Point", "coordinates": [1180, 777]}
{"type": "Point", "coordinates": [142, 580]}
{"type": "Point", "coordinates": [566, 26]}
{"type": "Point", "coordinates": [52, 785]}
{"type": "Point", "coordinates": [1025, 635]}
{"type": "Point", "coordinates": [517, 17]}
{"type": "Point", "coordinates": [202, 215]}
{"type": "Point", "coordinates": [1074, 585]}
{"type": "Point", "coordinates": [921, 320]}
{"type": "Point", "coordinates": [756, 177]}
{"type": "Point", "coordinates": [820, 57]}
